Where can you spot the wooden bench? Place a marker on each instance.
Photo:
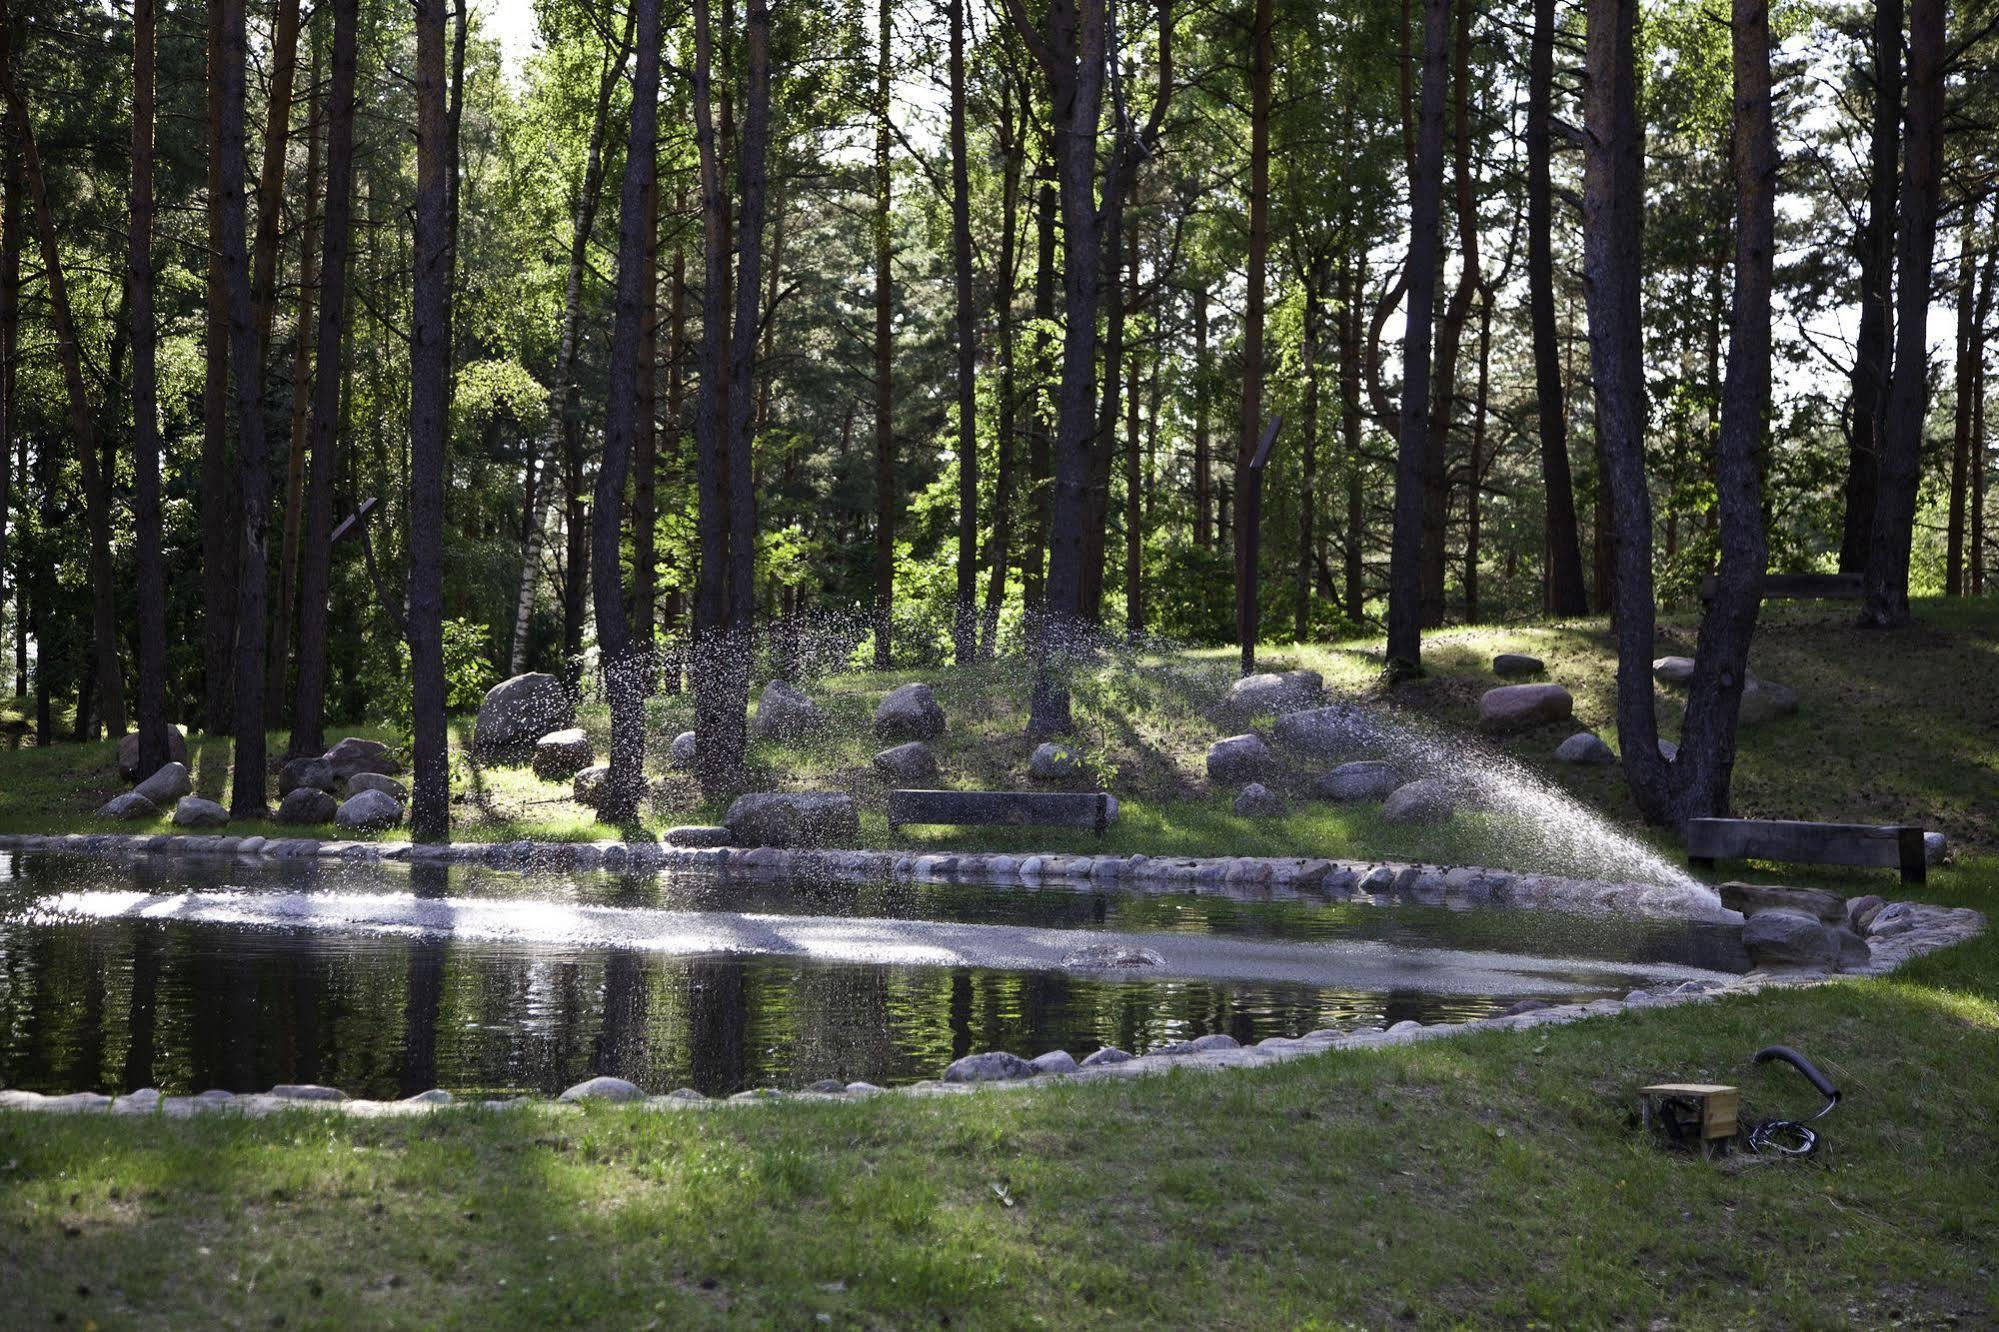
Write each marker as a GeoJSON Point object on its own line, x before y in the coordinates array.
{"type": "Point", "coordinates": [1094, 810]}
{"type": "Point", "coordinates": [1800, 587]}
{"type": "Point", "coordinates": [1894, 846]}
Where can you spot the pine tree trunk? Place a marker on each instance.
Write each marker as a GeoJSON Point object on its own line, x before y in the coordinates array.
{"type": "Point", "coordinates": [1475, 465]}
{"type": "Point", "coordinates": [1134, 479]}
{"type": "Point", "coordinates": [965, 617]}
{"type": "Point", "coordinates": [999, 549]}
{"type": "Point", "coordinates": [1040, 434]}
{"type": "Point", "coordinates": [1876, 246]}
{"type": "Point", "coordinates": [645, 451]}
{"type": "Point", "coordinates": [151, 577]}
{"type": "Point", "coordinates": [219, 535]}
{"type": "Point", "coordinates": [11, 244]}
{"type": "Point", "coordinates": [884, 358]}
{"type": "Point", "coordinates": [752, 185]}
{"type": "Point", "coordinates": [1960, 452]}
{"type": "Point", "coordinates": [271, 176]}
{"type": "Point", "coordinates": [1251, 424]}
{"type": "Point", "coordinates": [1353, 564]}
{"type": "Point", "coordinates": [1308, 498]}
{"type": "Point", "coordinates": [315, 564]}
{"type": "Point", "coordinates": [1204, 481]}
{"type": "Point", "coordinates": [430, 371]}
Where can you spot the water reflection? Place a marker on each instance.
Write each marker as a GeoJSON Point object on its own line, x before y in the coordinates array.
{"type": "Point", "coordinates": [118, 1003]}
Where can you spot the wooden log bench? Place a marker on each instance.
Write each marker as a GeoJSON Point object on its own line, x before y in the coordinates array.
{"type": "Point", "coordinates": [1870, 846]}
{"type": "Point", "coordinates": [1094, 810]}
{"type": "Point", "coordinates": [1799, 587]}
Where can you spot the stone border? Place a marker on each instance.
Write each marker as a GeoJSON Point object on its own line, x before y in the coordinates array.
{"type": "Point", "coordinates": [1279, 876]}
{"type": "Point", "coordinates": [1917, 928]}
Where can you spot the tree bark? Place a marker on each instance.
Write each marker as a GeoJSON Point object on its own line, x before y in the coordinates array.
{"type": "Point", "coordinates": [1040, 435]}
{"type": "Point", "coordinates": [1876, 246]}
{"type": "Point", "coordinates": [83, 427]}
{"type": "Point", "coordinates": [622, 663]}
{"type": "Point", "coordinates": [1405, 648]}
{"type": "Point", "coordinates": [645, 450]}
{"type": "Point", "coordinates": [11, 244]}
{"type": "Point", "coordinates": [219, 536]}
{"type": "Point", "coordinates": [1968, 345]}
{"type": "Point", "coordinates": [315, 564]}
{"type": "Point", "coordinates": [247, 778]}
{"type": "Point", "coordinates": [1204, 482]}
{"type": "Point", "coordinates": [884, 357]}
{"type": "Point", "coordinates": [1308, 499]}
{"type": "Point", "coordinates": [1251, 424]}
{"type": "Point", "coordinates": [1978, 459]}
{"type": "Point", "coordinates": [151, 578]}
{"type": "Point", "coordinates": [965, 617]}
{"type": "Point", "coordinates": [430, 372]}
{"type": "Point", "coordinates": [1475, 464]}
{"type": "Point", "coordinates": [1886, 603]}
{"type": "Point", "coordinates": [1353, 565]}
{"type": "Point", "coordinates": [1134, 481]}
{"type": "Point", "coordinates": [752, 182]}
{"type": "Point", "coordinates": [271, 175]}
{"type": "Point", "coordinates": [1566, 592]}
{"type": "Point", "coordinates": [1013, 155]}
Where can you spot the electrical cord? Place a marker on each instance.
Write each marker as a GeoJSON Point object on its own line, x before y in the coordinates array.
{"type": "Point", "coordinates": [1791, 1137]}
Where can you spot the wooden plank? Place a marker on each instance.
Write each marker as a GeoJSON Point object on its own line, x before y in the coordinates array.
{"type": "Point", "coordinates": [348, 524]}
{"type": "Point", "coordinates": [1799, 587]}
{"type": "Point", "coordinates": [1857, 844]}
{"type": "Point", "coordinates": [1068, 809]}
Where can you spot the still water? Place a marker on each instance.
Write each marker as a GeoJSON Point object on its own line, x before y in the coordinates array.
{"type": "Point", "coordinates": [389, 980]}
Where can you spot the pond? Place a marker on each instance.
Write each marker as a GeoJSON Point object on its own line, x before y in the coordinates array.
{"type": "Point", "coordinates": [386, 980]}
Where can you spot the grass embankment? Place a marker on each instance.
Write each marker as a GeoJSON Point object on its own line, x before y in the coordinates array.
{"type": "Point", "coordinates": [1900, 727]}
{"type": "Point", "coordinates": [1494, 1179]}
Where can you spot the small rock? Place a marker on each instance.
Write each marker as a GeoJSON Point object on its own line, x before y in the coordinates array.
{"type": "Point", "coordinates": [587, 786]}
{"type": "Point", "coordinates": [306, 770]}
{"type": "Point", "coordinates": [1860, 912]}
{"type": "Point", "coordinates": [307, 1091]}
{"type": "Point", "coordinates": [515, 713]}
{"type": "Point", "coordinates": [167, 785]}
{"type": "Point", "coordinates": [130, 805]}
{"type": "Point", "coordinates": [909, 764]}
{"type": "Point", "coordinates": [1765, 700]}
{"type": "Point", "coordinates": [1257, 801]}
{"type": "Point", "coordinates": [1368, 779]}
{"type": "Point", "coordinates": [909, 712]}
{"type": "Point", "coordinates": [375, 781]}
{"type": "Point", "coordinates": [142, 1102]}
{"type": "Point", "coordinates": [697, 835]}
{"type": "Point", "coordinates": [1109, 1054]}
{"type": "Point", "coordinates": [1425, 801]}
{"type": "Point", "coordinates": [603, 1089]}
{"type": "Point", "coordinates": [1239, 758]}
{"type": "Point", "coordinates": [993, 1066]}
{"type": "Point", "coordinates": [1331, 734]}
{"type": "Point", "coordinates": [128, 752]}
{"type": "Point", "coordinates": [1513, 707]}
{"type": "Point", "coordinates": [1053, 762]}
{"type": "Point", "coordinates": [1673, 670]}
{"type": "Point", "coordinates": [1895, 918]}
{"type": "Point", "coordinates": [366, 810]}
{"type": "Point", "coordinates": [1936, 848]}
{"type": "Point", "coordinates": [1853, 952]}
{"type": "Point", "coordinates": [1516, 663]}
{"type": "Point", "coordinates": [1585, 747]}
{"type": "Point", "coordinates": [307, 804]}
{"type": "Point", "coordinates": [435, 1096]}
{"type": "Point", "coordinates": [1055, 1061]}
{"type": "Point", "coordinates": [354, 755]}
{"type": "Point", "coordinates": [1526, 1006]}
{"type": "Point", "coordinates": [680, 754]}
{"type": "Point", "coordinates": [827, 1086]}
{"type": "Point", "coordinates": [861, 1089]}
{"type": "Point", "coordinates": [1788, 938]}
{"type": "Point", "coordinates": [685, 1094]}
{"type": "Point", "coordinates": [1668, 750]}
{"type": "Point", "coordinates": [783, 713]}
{"type": "Point", "coordinates": [560, 755]}
{"type": "Point", "coordinates": [1292, 691]}
{"type": "Point", "coordinates": [195, 812]}
{"type": "Point", "coordinates": [1406, 1024]}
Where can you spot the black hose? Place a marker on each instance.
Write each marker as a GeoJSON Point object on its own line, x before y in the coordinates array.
{"type": "Point", "coordinates": [1790, 1137]}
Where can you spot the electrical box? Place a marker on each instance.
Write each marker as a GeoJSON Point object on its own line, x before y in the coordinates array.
{"type": "Point", "coordinates": [1691, 1113]}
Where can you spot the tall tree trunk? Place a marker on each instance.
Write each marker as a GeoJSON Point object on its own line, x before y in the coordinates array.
{"type": "Point", "coordinates": [281, 624]}
{"type": "Point", "coordinates": [1566, 591]}
{"type": "Point", "coordinates": [247, 784]}
{"type": "Point", "coordinates": [566, 404]}
{"type": "Point", "coordinates": [645, 451]}
{"type": "Point", "coordinates": [430, 373]}
{"type": "Point", "coordinates": [1204, 482]}
{"type": "Point", "coordinates": [152, 598]}
{"type": "Point", "coordinates": [1978, 459]}
{"type": "Point", "coordinates": [1968, 345]}
{"type": "Point", "coordinates": [1134, 480]}
{"type": "Point", "coordinates": [1887, 579]}
{"type": "Point", "coordinates": [1040, 435]}
{"type": "Point", "coordinates": [884, 357]}
{"type": "Point", "coordinates": [622, 664]}
{"type": "Point", "coordinates": [965, 618]}
{"type": "Point", "coordinates": [83, 427]}
{"type": "Point", "coordinates": [1475, 465]}
{"type": "Point", "coordinates": [1352, 279]}
{"type": "Point", "coordinates": [675, 427]}
{"type": "Point", "coordinates": [1426, 187]}
{"type": "Point", "coordinates": [1251, 424]}
{"type": "Point", "coordinates": [1876, 246]}
{"type": "Point", "coordinates": [315, 565]}
{"type": "Point", "coordinates": [1308, 498]}
{"type": "Point", "coordinates": [271, 176]}
{"type": "Point", "coordinates": [219, 535]}
{"type": "Point", "coordinates": [11, 244]}
{"type": "Point", "coordinates": [752, 182]}
{"type": "Point", "coordinates": [1013, 151]}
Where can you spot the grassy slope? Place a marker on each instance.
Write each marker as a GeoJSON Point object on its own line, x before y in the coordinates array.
{"type": "Point", "coordinates": [1494, 1179]}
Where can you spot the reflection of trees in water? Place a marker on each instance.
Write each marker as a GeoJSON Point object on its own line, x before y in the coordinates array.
{"type": "Point", "coordinates": [717, 1023]}
{"type": "Point", "coordinates": [424, 989]}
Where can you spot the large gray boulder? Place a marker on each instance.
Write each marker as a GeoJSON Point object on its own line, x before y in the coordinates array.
{"type": "Point", "coordinates": [1291, 691]}
{"type": "Point", "coordinates": [1515, 707]}
{"type": "Point", "coordinates": [783, 713]}
{"type": "Point", "coordinates": [1332, 734]}
{"type": "Point", "coordinates": [909, 764]}
{"type": "Point", "coordinates": [587, 786]}
{"type": "Point", "coordinates": [1765, 700]}
{"type": "Point", "coordinates": [375, 781]}
{"type": "Point", "coordinates": [368, 810]}
{"type": "Point", "coordinates": [167, 785]}
{"type": "Point", "coordinates": [909, 712]}
{"type": "Point", "coordinates": [194, 812]}
{"type": "Point", "coordinates": [602, 1089]}
{"type": "Point", "coordinates": [562, 754]}
{"type": "Point", "coordinates": [307, 804]}
{"type": "Point", "coordinates": [1853, 952]}
{"type": "Point", "coordinates": [128, 752]}
{"type": "Point", "coordinates": [1053, 761]}
{"type": "Point", "coordinates": [355, 755]}
{"type": "Point", "coordinates": [1673, 670]}
{"type": "Point", "coordinates": [1258, 801]}
{"type": "Point", "coordinates": [307, 770]}
{"type": "Point", "coordinates": [680, 754]}
{"type": "Point", "coordinates": [515, 713]}
{"type": "Point", "coordinates": [793, 818]}
{"type": "Point", "coordinates": [1425, 801]}
{"type": "Point", "coordinates": [1585, 747]}
{"type": "Point", "coordinates": [130, 805]}
{"type": "Point", "coordinates": [1368, 779]}
{"type": "Point", "coordinates": [994, 1066]}
{"type": "Point", "coordinates": [1239, 758]}
{"type": "Point", "coordinates": [1789, 939]}
{"type": "Point", "coordinates": [1517, 663]}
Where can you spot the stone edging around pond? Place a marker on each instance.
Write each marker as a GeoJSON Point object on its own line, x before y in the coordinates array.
{"type": "Point", "coordinates": [1918, 928]}
{"type": "Point", "coordinates": [1279, 876]}
{"type": "Point", "coordinates": [1931, 927]}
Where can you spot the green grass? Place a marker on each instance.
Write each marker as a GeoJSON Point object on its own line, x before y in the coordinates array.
{"type": "Point", "coordinates": [1497, 1179]}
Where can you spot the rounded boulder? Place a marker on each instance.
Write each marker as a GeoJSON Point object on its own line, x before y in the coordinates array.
{"type": "Point", "coordinates": [562, 754]}
{"type": "Point", "coordinates": [909, 712]}
{"type": "Point", "coordinates": [1516, 707]}
{"type": "Point", "coordinates": [515, 713]}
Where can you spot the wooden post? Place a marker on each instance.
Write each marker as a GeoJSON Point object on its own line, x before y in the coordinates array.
{"type": "Point", "coordinates": [1249, 514]}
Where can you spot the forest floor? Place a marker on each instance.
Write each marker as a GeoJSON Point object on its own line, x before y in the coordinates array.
{"type": "Point", "coordinates": [1498, 1178]}
{"type": "Point", "coordinates": [1899, 727]}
